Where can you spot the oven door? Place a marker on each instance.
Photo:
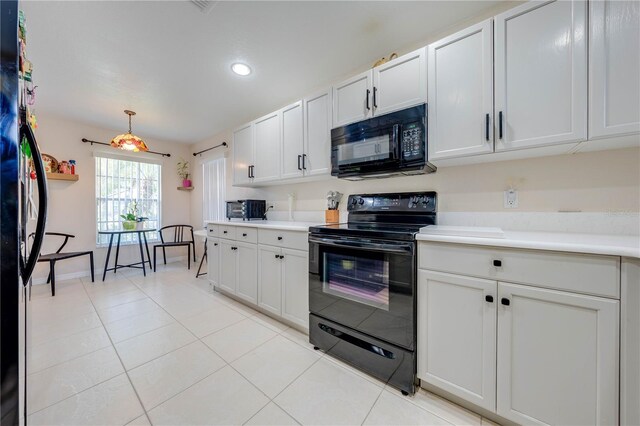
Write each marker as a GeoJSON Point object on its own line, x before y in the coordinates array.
{"type": "Point", "coordinates": [367, 285]}
{"type": "Point", "coordinates": [360, 150]}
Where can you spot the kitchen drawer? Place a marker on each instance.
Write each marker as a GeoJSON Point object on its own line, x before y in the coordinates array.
{"type": "Point", "coordinates": [249, 235]}
{"type": "Point", "coordinates": [212, 230]}
{"type": "Point", "coordinates": [579, 273]}
{"type": "Point", "coordinates": [227, 231]}
{"type": "Point", "coordinates": [298, 240]}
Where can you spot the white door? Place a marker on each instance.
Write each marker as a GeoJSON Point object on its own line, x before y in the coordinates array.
{"type": "Point", "coordinates": [295, 286]}
{"type": "Point", "coordinates": [228, 266]}
{"type": "Point", "coordinates": [614, 68]}
{"type": "Point", "coordinates": [292, 141]}
{"type": "Point", "coordinates": [267, 143]}
{"type": "Point", "coordinates": [352, 99]}
{"type": "Point", "coordinates": [400, 83]}
{"type": "Point", "coordinates": [457, 335]}
{"type": "Point", "coordinates": [541, 74]}
{"type": "Point", "coordinates": [242, 155]}
{"type": "Point", "coordinates": [461, 93]}
{"type": "Point", "coordinates": [317, 134]}
{"type": "Point", "coordinates": [557, 357]}
{"type": "Point", "coordinates": [247, 287]}
{"type": "Point", "coordinates": [270, 279]}
{"type": "Point", "coordinates": [213, 261]}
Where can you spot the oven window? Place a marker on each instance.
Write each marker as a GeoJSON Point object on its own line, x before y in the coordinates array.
{"type": "Point", "coordinates": [358, 278]}
{"type": "Point", "coordinates": [365, 150]}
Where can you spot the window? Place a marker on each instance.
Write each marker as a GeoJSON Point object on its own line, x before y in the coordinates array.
{"type": "Point", "coordinates": [213, 178]}
{"type": "Point", "coordinates": [121, 184]}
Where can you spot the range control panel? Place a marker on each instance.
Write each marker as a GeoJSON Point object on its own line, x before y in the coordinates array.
{"type": "Point", "coordinates": [393, 202]}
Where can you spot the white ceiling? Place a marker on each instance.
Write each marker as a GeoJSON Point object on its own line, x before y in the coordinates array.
{"type": "Point", "coordinates": [171, 63]}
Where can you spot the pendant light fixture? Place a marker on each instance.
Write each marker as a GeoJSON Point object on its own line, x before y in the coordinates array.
{"type": "Point", "coordinates": [128, 141]}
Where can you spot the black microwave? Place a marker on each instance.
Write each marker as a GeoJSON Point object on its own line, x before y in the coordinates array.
{"type": "Point", "coordinates": [388, 145]}
{"type": "Point", "coordinates": [247, 209]}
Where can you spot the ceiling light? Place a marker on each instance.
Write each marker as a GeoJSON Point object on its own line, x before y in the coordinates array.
{"type": "Point", "coordinates": [127, 141]}
{"type": "Point", "coordinates": [241, 69]}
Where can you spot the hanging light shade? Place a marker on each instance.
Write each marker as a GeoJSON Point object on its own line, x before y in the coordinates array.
{"type": "Point", "coordinates": [128, 141]}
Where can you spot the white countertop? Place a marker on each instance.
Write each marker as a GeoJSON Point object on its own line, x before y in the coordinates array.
{"type": "Point", "coordinates": [270, 224]}
{"type": "Point", "coordinates": [613, 245]}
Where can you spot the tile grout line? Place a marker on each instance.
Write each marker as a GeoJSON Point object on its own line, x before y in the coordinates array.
{"type": "Point", "coordinates": [371, 409]}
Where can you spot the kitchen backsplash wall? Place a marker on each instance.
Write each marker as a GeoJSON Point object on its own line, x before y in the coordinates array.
{"type": "Point", "coordinates": [604, 181]}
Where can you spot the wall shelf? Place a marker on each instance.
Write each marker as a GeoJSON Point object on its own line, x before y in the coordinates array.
{"type": "Point", "coordinates": [185, 188]}
{"type": "Point", "coordinates": [63, 176]}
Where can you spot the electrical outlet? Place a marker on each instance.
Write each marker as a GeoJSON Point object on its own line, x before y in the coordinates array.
{"type": "Point", "coordinates": [510, 199]}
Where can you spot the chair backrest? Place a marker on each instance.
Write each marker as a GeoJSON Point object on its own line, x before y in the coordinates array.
{"type": "Point", "coordinates": [57, 234]}
{"type": "Point", "coordinates": [178, 233]}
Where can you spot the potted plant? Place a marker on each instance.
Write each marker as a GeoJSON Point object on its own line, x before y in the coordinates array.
{"type": "Point", "coordinates": [131, 221]}
{"type": "Point", "coordinates": [183, 168]}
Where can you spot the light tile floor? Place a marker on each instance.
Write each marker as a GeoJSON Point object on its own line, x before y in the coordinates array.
{"type": "Point", "coordinates": [164, 349]}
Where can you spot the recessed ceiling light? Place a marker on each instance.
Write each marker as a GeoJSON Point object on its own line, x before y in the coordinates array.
{"type": "Point", "coordinates": [241, 69]}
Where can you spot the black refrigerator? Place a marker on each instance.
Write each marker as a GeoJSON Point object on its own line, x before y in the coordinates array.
{"type": "Point", "coordinates": [23, 202]}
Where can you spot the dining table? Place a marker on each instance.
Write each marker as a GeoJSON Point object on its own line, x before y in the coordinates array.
{"type": "Point", "coordinates": [119, 233]}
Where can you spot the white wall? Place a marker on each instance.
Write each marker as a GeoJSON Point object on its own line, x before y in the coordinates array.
{"type": "Point", "coordinates": [72, 204]}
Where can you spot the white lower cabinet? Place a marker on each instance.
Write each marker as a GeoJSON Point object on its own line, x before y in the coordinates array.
{"type": "Point", "coordinates": [228, 263]}
{"type": "Point", "coordinates": [557, 357]}
{"type": "Point", "coordinates": [457, 329]}
{"type": "Point", "coordinates": [284, 283]}
{"type": "Point", "coordinates": [532, 355]}
{"type": "Point", "coordinates": [247, 264]}
{"type": "Point", "coordinates": [213, 261]}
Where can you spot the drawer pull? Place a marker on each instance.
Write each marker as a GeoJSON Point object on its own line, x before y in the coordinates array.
{"type": "Point", "coordinates": [497, 263]}
{"type": "Point", "coordinates": [488, 298]}
{"type": "Point", "coordinates": [244, 234]}
{"type": "Point", "coordinates": [505, 301]}
{"type": "Point", "coordinates": [279, 238]}
{"type": "Point", "coordinates": [224, 232]}
{"type": "Point", "coordinates": [215, 244]}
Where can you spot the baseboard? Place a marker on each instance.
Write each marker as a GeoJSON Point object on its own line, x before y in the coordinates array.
{"type": "Point", "coordinates": [87, 273]}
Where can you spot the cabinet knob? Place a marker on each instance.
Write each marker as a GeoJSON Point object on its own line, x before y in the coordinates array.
{"type": "Point", "coordinates": [277, 256]}
{"type": "Point", "coordinates": [215, 244]}
{"type": "Point", "coordinates": [497, 263]}
{"type": "Point", "coordinates": [488, 298]}
{"type": "Point", "coordinates": [505, 301]}
{"type": "Point", "coordinates": [244, 235]}
{"type": "Point", "coordinates": [224, 232]}
{"type": "Point", "coordinates": [279, 238]}
{"type": "Point", "coordinates": [281, 257]}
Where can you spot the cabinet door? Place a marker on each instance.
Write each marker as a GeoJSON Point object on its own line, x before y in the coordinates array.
{"type": "Point", "coordinates": [270, 279]}
{"type": "Point", "coordinates": [267, 148]}
{"type": "Point", "coordinates": [541, 74]}
{"type": "Point", "coordinates": [461, 93]}
{"type": "Point", "coordinates": [557, 357]}
{"type": "Point", "coordinates": [614, 67]}
{"type": "Point", "coordinates": [457, 335]}
{"type": "Point", "coordinates": [295, 286]}
{"type": "Point", "coordinates": [400, 83]}
{"type": "Point", "coordinates": [228, 265]}
{"type": "Point", "coordinates": [352, 99]}
{"type": "Point", "coordinates": [317, 134]}
{"type": "Point", "coordinates": [247, 274]}
{"type": "Point", "coordinates": [292, 141]}
{"type": "Point", "coordinates": [242, 155]}
{"type": "Point", "coordinates": [213, 261]}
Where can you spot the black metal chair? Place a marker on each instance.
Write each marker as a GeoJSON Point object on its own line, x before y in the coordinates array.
{"type": "Point", "coordinates": [178, 241]}
{"type": "Point", "coordinates": [52, 258]}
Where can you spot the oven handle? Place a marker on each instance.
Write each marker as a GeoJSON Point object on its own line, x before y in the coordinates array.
{"type": "Point", "coordinates": [389, 247]}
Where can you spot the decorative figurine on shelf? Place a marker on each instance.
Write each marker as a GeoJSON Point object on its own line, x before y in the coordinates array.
{"type": "Point", "coordinates": [63, 167]}
{"type": "Point", "coordinates": [332, 215]}
{"type": "Point", "coordinates": [131, 221]}
{"type": "Point", "coordinates": [183, 168]}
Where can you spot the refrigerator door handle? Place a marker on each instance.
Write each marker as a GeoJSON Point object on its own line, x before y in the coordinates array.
{"type": "Point", "coordinates": [30, 264]}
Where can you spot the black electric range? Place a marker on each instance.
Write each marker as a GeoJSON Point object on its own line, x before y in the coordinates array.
{"type": "Point", "coordinates": [362, 284]}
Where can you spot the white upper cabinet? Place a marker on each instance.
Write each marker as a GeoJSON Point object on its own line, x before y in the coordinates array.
{"type": "Point", "coordinates": [557, 357]}
{"type": "Point", "coordinates": [292, 140]}
{"type": "Point", "coordinates": [541, 75]}
{"type": "Point", "coordinates": [352, 99]}
{"type": "Point", "coordinates": [242, 155]}
{"type": "Point", "coordinates": [267, 143]}
{"type": "Point", "coordinates": [317, 134]}
{"type": "Point", "coordinates": [614, 68]}
{"type": "Point", "coordinates": [457, 335]}
{"type": "Point", "coordinates": [400, 83]}
{"type": "Point", "coordinates": [461, 93]}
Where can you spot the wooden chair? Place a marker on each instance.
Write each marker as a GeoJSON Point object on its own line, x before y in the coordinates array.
{"type": "Point", "coordinates": [178, 241]}
{"type": "Point", "coordinates": [52, 258]}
